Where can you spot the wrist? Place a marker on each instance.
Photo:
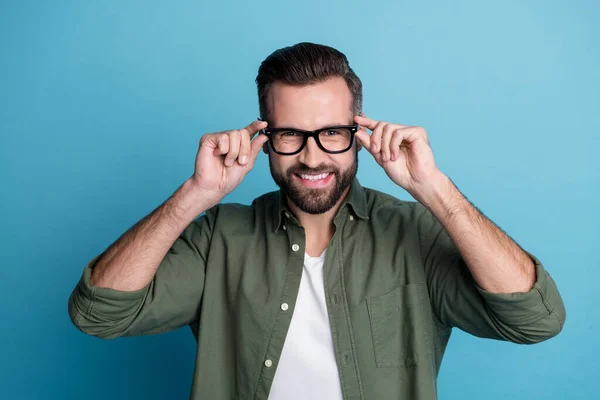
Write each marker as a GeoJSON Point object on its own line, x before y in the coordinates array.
{"type": "Point", "coordinates": [439, 195]}
{"type": "Point", "coordinates": [194, 200]}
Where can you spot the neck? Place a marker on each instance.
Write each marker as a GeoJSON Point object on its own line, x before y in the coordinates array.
{"type": "Point", "coordinates": [319, 228]}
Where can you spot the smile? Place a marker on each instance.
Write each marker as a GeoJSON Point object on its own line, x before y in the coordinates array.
{"type": "Point", "coordinates": [315, 177]}
{"type": "Point", "coordinates": [315, 181]}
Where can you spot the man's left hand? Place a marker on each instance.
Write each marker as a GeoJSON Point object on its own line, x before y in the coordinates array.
{"type": "Point", "coordinates": [403, 152]}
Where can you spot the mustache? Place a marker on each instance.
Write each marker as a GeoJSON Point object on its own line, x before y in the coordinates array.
{"type": "Point", "coordinates": [299, 169]}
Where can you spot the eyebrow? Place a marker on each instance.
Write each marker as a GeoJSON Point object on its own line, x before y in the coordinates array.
{"type": "Point", "coordinates": [300, 129]}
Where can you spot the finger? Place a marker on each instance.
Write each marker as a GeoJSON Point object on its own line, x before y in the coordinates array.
{"type": "Point", "coordinates": [222, 141]}
{"type": "Point", "coordinates": [234, 147]}
{"type": "Point", "coordinates": [386, 138]}
{"type": "Point", "coordinates": [368, 122]}
{"type": "Point", "coordinates": [210, 140]}
{"type": "Point", "coordinates": [256, 147]}
{"type": "Point", "coordinates": [397, 139]}
{"type": "Point", "coordinates": [244, 149]}
{"type": "Point", "coordinates": [254, 127]}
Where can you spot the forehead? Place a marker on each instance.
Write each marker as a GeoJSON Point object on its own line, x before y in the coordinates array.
{"type": "Point", "coordinates": [312, 106]}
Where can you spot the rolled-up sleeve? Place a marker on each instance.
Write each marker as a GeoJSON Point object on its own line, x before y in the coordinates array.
{"type": "Point", "coordinates": [538, 314]}
{"type": "Point", "coordinates": [170, 300]}
{"type": "Point", "coordinates": [457, 301]}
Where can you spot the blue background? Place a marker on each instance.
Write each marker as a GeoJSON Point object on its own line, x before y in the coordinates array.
{"type": "Point", "coordinates": [103, 104]}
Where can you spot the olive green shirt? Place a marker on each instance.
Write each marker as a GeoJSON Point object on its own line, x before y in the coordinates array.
{"type": "Point", "coordinates": [395, 286]}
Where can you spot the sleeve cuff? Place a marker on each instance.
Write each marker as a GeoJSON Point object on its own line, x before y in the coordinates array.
{"type": "Point", "coordinates": [522, 307]}
{"type": "Point", "coordinates": [91, 292]}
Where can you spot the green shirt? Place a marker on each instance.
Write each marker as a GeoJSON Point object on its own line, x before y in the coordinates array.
{"type": "Point", "coordinates": [395, 286]}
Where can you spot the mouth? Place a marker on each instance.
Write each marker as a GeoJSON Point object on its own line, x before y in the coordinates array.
{"type": "Point", "coordinates": [315, 180]}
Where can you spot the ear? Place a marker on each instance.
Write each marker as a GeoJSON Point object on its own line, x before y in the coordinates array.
{"type": "Point", "coordinates": [358, 143]}
{"type": "Point", "coordinates": [358, 146]}
{"type": "Point", "coordinates": [265, 147]}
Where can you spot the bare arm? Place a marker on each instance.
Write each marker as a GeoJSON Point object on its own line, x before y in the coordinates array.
{"type": "Point", "coordinates": [130, 263]}
{"type": "Point", "coordinates": [497, 263]}
{"type": "Point", "coordinates": [478, 278]}
{"type": "Point", "coordinates": [151, 279]}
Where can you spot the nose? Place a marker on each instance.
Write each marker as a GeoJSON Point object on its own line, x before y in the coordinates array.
{"type": "Point", "coordinates": [311, 155]}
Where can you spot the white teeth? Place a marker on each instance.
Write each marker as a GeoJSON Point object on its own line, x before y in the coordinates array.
{"type": "Point", "coordinates": [314, 177]}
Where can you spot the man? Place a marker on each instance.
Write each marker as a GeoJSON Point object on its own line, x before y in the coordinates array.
{"type": "Point", "coordinates": [323, 289]}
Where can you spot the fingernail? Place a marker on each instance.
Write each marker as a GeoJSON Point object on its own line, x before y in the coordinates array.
{"type": "Point", "coordinates": [244, 160]}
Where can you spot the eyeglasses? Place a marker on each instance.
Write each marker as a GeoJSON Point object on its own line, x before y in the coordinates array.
{"type": "Point", "coordinates": [290, 141]}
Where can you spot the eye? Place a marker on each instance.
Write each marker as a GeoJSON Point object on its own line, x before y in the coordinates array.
{"type": "Point", "coordinates": [290, 133]}
{"type": "Point", "coordinates": [331, 133]}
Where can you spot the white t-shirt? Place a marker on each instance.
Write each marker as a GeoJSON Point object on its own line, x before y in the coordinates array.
{"type": "Point", "coordinates": [307, 367]}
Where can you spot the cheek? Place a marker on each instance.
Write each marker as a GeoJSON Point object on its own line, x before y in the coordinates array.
{"type": "Point", "coordinates": [345, 161]}
{"type": "Point", "coordinates": [281, 163]}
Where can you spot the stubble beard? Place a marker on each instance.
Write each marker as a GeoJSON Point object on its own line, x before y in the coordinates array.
{"type": "Point", "coordinates": [314, 200]}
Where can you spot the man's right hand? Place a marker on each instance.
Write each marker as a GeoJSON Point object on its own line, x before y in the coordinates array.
{"type": "Point", "coordinates": [224, 158]}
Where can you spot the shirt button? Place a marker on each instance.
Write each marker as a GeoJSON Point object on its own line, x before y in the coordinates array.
{"type": "Point", "coordinates": [284, 228]}
{"type": "Point", "coordinates": [284, 306]}
{"type": "Point", "coordinates": [268, 363]}
{"type": "Point", "coordinates": [287, 215]}
{"type": "Point", "coordinates": [295, 247]}
{"type": "Point", "coordinates": [352, 218]}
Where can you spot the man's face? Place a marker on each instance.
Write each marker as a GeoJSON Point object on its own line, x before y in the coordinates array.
{"type": "Point", "coordinates": [312, 179]}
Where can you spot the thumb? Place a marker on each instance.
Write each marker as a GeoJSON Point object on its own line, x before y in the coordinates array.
{"type": "Point", "coordinates": [256, 147]}
{"type": "Point", "coordinates": [364, 138]}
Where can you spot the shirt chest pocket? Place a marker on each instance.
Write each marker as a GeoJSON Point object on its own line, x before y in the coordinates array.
{"type": "Point", "coordinates": [398, 326]}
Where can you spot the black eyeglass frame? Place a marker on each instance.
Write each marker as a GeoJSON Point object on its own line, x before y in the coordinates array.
{"type": "Point", "coordinates": [314, 135]}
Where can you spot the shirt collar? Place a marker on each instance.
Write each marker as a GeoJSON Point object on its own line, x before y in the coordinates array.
{"type": "Point", "coordinates": [356, 201]}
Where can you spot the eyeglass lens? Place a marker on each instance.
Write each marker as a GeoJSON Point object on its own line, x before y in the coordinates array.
{"type": "Point", "coordinates": [331, 139]}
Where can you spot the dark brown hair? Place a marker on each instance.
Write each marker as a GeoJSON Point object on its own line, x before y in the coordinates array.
{"type": "Point", "coordinates": [304, 64]}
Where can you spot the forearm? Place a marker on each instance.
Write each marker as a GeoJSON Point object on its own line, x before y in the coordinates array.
{"type": "Point", "coordinates": [496, 262]}
{"type": "Point", "coordinates": [131, 262]}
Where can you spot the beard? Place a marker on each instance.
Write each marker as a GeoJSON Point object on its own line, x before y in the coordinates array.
{"type": "Point", "coordinates": [314, 200]}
